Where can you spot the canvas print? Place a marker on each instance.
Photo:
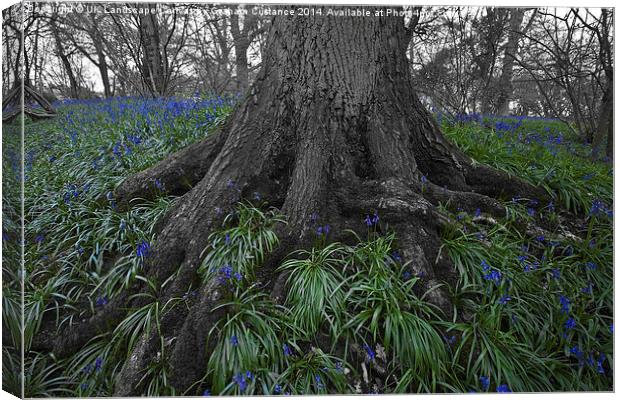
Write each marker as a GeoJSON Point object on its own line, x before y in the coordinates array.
{"type": "Point", "coordinates": [205, 199]}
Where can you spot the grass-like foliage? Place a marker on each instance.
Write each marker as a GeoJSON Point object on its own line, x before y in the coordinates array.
{"type": "Point", "coordinates": [248, 236]}
{"type": "Point", "coordinates": [533, 305]}
{"type": "Point", "coordinates": [314, 288]}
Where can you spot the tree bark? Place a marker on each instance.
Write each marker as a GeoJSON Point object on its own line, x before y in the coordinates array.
{"type": "Point", "coordinates": [510, 52]}
{"type": "Point", "coordinates": [332, 125]}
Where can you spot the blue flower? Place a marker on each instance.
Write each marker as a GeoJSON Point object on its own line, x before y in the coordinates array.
{"type": "Point", "coordinates": [587, 289]}
{"type": "Point", "coordinates": [234, 341]}
{"type": "Point", "coordinates": [599, 363]}
{"type": "Point", "coordinates": [611, 328]}
{"type": "Point", "coordinates": [555, 273]}
{"type": "Point", "coordinates": [396, 256]}
{"type": "Point", "coordinates": [101, 301]}
{"type": "Point", "coordinates": [98, 363]}
{"type": "Point", "coordinates": [477, 213]}
{"type": "Point", "coordinates": [238, 276]}
{"type": "Point", "coordinates": [504, 299]}
{"type": "Point", "coordinates": [39, 239]}
{"type": "Point", "coordinates": [406, 275]}
{"type": "Point", "coordinates": [143, 249]}
{"type": "Point", "coordinates": [531, 212]}
{"type": "Point", "coordinates": [369, 352]}
{"type": "Point", "coordinates": [503, 389]}
{"type": "Point", "coordinates": [591, 266]}
{"type": "Point", "coordinates": [570, 324]}
{"type": "Point", "coordinates": [565, 303]}
{"type": "Point", "coordinates": [576, 351]}
{"type": "Point", "coordinates": [424, 179]}
{"type": "Point", "coordinates": [287, 350]}
{"type": "Point", "coordinates": [207, 392]}
{"type": "Point", "coordinates": [227, 239]}
{"type": "Point", "coordinates": [277, 389]}
{"type": "Point", "coordinates": [226, 271]}
{"type": "Point", "coordinates": [158, 184]}
{"type": "Point", "coordinates": [239, 379]}
{"type": "Point", "coordinates": [485, 382]}
{"type": "Point", "coordinates": [317, 379]}
{"type": "Point", "coordinates": [491, 274]}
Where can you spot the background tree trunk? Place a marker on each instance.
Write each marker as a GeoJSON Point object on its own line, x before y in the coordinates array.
{"type": "Point", "coordinates": [510, 52]}
{"type": "Point", "coordinates": [332, 126]}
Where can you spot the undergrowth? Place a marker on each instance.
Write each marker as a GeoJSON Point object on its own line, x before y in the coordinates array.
{"type": "Point", "coordinates": [533, 308]}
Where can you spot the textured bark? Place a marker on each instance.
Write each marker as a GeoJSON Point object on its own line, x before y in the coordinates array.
{"type": "Point", "coordinates": [510, 53]}
{"type": "Point", "coordinates": [331, 126]}
{"type": "Point", "coordinates": [153, 66]}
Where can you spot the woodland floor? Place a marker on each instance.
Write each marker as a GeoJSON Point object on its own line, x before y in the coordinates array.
{"type": "Point", "coordinates": [534, 301]}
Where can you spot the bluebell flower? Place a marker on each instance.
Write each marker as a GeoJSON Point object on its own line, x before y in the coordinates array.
{"type": "Point", "coordinates": [287, 350]}
{"type": "Point", "coordinates": [531, 212]}
{"type": "Point", "coordinates": [143, 249]}
{"type": "Point", "coordinates": [599, 363]}
{"type": "Point", "coordinates": [504, 299]}
{"type": "Point", "coordinates": [158, 184]}
{"type": "Point", "coordinates": [587, 289]}
{"type": "Point", "coordinates": [555, 273]}
{"type": "Point", "coordinates": [206, 392]}
{"type": "Point", "coordinates": [491, 274]}
{"type": "Point", "coordinates": [424, 180]}
{"type": "Point", "coordinates": [39, 239]}
{"type": "Point", "coordinates": [503, 389]}
{"type": "Point", "coordinates": [370, 354]}
{"type": "Point", "coordinates": [84, 386]}
{"type": "Point", "coordinates": [590, 265]}
{"type": "Point", "coordinates": [239, 379]}
{"type": "Point", "coordinates": [277, 389]}
{"type": "Point", "coordinates": [565, 303]}
{"type": "Point", "coordinates": [576, 351]}
{"type": "Point", "coordinates": [226, 271]}
{"type": "Point", "coordinates": [477, 213]}
{"type": "Point", "coordinates": [319, 384]}
{"type": "Point", "coordinates": [249, 375]}
{"type": "Point", "coordinates": [485, 382]}
{"type": "Point", "coordinates": [227, 239]}
{"type": "Point", "coordinates": [339, 367]}
{"type": "Point", "coordinates": [98, 363]}
{"type": "Point", "coordinates": [611, 328]}
{"type": "Point", "coordinates": [396, 256]}
{"type": "Point", "coordinates": [238, 276]}
{"type": "Point", "coordinates": [406, 275]}
{"type": "Point", "coordinates": [234, 341]}
{"type": "Point", "coordinates": [101, 301]}
{"type": "Point", "coordinates": [570, 324]}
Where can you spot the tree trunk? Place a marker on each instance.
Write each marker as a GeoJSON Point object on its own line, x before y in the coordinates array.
{"type": "Point", "coordinates": [332, 125]}
{"type": "Point", "coordinates": [510, 52]}
{"type": "Point", "coordinates": [153, 72]}
{"type": "Point", "coordinates": [605, 126]}
{"type": "Point", "coordinates": [241, 44]}
{"type": "Point", "coordinates": [66, 63]}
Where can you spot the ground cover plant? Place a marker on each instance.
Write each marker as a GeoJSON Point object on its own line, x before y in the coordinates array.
{"type": "Point", "coordinates": [531, 297]}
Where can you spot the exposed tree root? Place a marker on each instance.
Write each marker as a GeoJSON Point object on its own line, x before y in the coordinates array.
{"type": "Point", "coordinates": [175, 175]}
